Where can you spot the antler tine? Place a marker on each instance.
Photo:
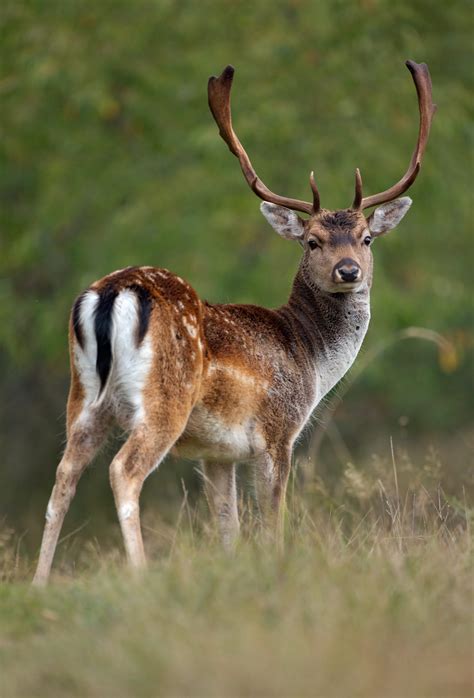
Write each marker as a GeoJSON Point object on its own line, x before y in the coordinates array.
{"type": "Point", "coordinates": [421, 78]}
{"type": "Point", "coordinates": [314, 188]}
{"type": "Point", "coordinates": [358, 191]}
{"type": "Point", "coordinates": [219, 103]}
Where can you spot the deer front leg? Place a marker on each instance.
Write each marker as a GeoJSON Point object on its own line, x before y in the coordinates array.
{"type": "Point", "coordinates": [221, 493]}
{"type": "Point", "coordinates": [271, 477]}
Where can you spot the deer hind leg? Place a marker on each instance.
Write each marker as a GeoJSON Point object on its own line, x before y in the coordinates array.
{"type": "Point", "coordinates": [143, 451]}
{"type": "Point", "coordinates": [86, 434]}
{"type": "Point", "coordinates": [221, 493]}
{"type": "Point", "coordinates": [271, 478]}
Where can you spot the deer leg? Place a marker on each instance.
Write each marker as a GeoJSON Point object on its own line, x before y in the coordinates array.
{"type": "Point", "coordinates": [86, 435]}
{"type": "Point", "coordinates": [221, 493]}
{"type": "Point", "coordinates": [272, 471]}
{"type": "Point", "coordinates": [139, 456]}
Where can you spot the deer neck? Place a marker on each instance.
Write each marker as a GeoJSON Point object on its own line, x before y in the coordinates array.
{"type": "Point", "coordinates": [331, 328]}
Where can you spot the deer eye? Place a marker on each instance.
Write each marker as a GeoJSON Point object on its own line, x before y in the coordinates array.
{"type": "Point", "coordinates": [367, 240]}
{"type": "Point", "coordinates": [313, 244]}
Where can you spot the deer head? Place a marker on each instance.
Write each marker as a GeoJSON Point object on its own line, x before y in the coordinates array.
{"type": "Point", "coordinates": [337, 255]}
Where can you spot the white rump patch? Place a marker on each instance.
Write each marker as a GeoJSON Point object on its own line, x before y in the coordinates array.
{"type": "Point", "coordinates": [130, 364]}
{"type": "Point", "coordinates": [85, 358]}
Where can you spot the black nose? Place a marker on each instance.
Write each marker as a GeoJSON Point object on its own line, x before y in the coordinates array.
{"type": "Point", "coordinates": [347, 271]}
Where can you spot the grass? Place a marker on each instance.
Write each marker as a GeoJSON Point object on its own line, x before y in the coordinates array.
{"type": "Point", "coordinates": [371, 597]}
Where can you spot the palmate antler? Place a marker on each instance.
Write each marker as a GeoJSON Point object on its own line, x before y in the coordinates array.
{"type": "Point", "coordinates": [219, 102]}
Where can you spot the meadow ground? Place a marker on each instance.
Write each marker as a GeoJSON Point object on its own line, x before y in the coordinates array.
{"type": "Point", "coordinates": [372, 596]}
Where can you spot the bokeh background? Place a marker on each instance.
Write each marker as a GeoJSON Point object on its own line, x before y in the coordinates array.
{"type": "Point", "coordinates": [111, 158]}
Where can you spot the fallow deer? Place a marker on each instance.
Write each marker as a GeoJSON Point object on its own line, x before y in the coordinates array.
{"type": "Point", "coordinates": [222, 383]}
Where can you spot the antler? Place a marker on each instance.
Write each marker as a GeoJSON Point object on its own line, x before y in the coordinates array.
{"type": "Point", "coordinates": [219, 103]}
{"type": "Point", "coordinates": [421, 78]}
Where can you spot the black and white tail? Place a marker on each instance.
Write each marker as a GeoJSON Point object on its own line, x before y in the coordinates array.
{"type": "Point", "coordinates": [112, 351]}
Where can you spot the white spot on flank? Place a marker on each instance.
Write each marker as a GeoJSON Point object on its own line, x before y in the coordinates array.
{"type": "Point", "coordinates": [180, 305]}
{"type": "Point", "coordinates": [190, 328]}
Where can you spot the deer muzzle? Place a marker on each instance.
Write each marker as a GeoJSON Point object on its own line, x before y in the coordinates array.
{"type": "Point", "coordinates": [347, 271]}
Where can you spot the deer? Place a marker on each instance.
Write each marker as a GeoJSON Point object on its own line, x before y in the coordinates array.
{"type": "Point", "coordinates": [222, 383]}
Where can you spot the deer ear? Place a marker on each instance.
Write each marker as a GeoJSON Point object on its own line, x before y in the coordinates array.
{"type": "Point", "coordinates": [285, 221]}
{"type": "Point", "coordinates": [387, 216]}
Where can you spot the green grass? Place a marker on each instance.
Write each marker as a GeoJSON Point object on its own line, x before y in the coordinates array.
{"type": "Point", "coordinates": [371, 597]}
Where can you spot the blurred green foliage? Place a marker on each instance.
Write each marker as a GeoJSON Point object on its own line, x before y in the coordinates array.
{"type": "Point", "coordinates": [110, 157]}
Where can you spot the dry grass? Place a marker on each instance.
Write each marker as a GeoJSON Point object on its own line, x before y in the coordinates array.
{"type": "Point", "coordinates": [372, 597]}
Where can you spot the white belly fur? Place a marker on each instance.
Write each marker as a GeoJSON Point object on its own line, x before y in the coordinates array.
{"type": "Point", "coordinates": [208, 436]}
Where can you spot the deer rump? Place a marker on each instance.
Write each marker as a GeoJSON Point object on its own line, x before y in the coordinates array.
{"type": "Point", "coordinates": [112, 352]}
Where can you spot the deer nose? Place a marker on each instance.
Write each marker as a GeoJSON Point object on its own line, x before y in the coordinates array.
{"type": "Point", "coordinates": [346, 271]}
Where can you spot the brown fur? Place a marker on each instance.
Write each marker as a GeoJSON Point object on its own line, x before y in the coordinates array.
{"type": "Point", "coordinates": [227, 383]}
